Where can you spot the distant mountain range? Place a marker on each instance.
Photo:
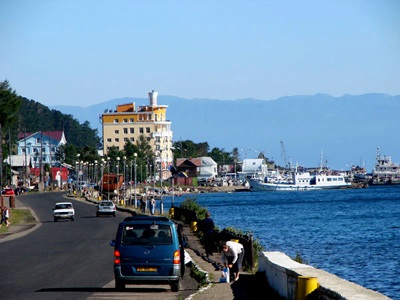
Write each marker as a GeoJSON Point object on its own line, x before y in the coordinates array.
{"type": "Point", "coordinates": [305, 130]}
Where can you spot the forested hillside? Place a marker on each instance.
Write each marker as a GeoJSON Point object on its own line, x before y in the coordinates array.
{"type": "Point", "coordinates": [34, 116]}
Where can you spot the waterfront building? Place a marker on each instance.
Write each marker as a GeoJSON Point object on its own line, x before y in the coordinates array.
{"type": "Point", "coordinates": [128, 122]}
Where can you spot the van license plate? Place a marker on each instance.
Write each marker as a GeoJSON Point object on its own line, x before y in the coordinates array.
{"type": "Point", "coordinates": [144, 269]}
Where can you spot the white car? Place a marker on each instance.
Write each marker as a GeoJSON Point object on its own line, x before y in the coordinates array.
{"type": "Point", "coordinates": [63, 210]}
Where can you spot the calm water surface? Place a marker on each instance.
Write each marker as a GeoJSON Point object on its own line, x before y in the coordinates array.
{"type": "Point", "coordinates": [353, 233]}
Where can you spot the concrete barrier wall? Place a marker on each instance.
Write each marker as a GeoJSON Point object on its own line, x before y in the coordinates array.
{"type": "Point", "coordinates": [282, 274]}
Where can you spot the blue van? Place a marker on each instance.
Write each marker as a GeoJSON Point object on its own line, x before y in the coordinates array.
{"type": "Point", "coordinates": [147, 250]}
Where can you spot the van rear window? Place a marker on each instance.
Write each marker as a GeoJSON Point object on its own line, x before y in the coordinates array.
{"type": "Point", "coordinates": [139, 234]}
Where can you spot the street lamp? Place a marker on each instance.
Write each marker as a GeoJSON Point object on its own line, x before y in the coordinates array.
{"type": "Point", "coordinates": [161, 175]}
{"type": "Point", "coordinates": [172, 178]}
{"type": "Point", "coordinates": [117, 177]}
{"type": "Point", "coordinates": [124, 181]}
{"type": "Point", "coordinates": [134, 158]}
{"type": "Point", "coordinates": [108, 178]}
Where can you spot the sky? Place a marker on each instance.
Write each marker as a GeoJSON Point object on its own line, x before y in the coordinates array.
{"type": "Point", "coordinates": [76, 52]}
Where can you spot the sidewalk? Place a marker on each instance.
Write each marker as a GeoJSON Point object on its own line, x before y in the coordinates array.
{"type": "Point", "coordinates": [249, 286]}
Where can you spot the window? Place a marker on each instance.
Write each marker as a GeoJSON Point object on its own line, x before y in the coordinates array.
{"type": "Point", "coordinates": [125, 130]}
{"type": "Point", "coordinates": [109, 140]}
{"type": "Point", "coordinates": [131, 120]}
{"type": "Point", "coordinates": [125, 120]}
{"type": "Point", "coordinates": [116, 121]}
{"type": "Point", "coordinates": [132, 130]}
{"type": "Point", "coordinates": [116, 131]}
{"type": "Point", "coordinates": [125, 139]}
{"type": "Point", "coordinates": [141, 130]}
{"type": "Point", "coordinates": [117, 140]}
{"type": "Point", "coordinates": [148, 139]}
{"type": "Point", "coordinates": [147, 129]}
{"type": "Point", "coordinates": [132, 139]}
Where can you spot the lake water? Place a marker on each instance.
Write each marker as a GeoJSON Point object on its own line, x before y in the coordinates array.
{"type": "Point", "coordinates": [353, 233]}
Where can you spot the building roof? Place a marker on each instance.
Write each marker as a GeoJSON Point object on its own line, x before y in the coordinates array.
{"type": "Point", "coordinates": [207, 161]}
{"type": "Point", "coordinates": [56, 135]}
{"type": "Point", "coordinates": [180, 162]}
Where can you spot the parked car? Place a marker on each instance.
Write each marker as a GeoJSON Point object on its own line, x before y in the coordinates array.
{"type": "Point", "coordinates": [147, 250]}
{"type": "Point", "coordinates": [8, 192]}
{"type": "Point", "coordinates": [63, 210]}
{"type": "Point", "coordinates": [106, 207]}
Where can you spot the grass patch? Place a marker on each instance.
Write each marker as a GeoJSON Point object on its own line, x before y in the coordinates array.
{"type": "Point", "coordinates": [18, 216]}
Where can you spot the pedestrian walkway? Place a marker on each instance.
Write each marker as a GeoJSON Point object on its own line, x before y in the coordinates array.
{"type": "Point", "coordinates": [249, 286]}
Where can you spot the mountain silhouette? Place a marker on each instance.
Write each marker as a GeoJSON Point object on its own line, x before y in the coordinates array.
{"type": "Point", "coordinates": [304, 130]}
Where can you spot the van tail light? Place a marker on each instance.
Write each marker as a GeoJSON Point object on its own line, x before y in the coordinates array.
{"type": "Point", "coordinates": [177, 257]}
{"type": "Point", "coordinates": [117, 257]}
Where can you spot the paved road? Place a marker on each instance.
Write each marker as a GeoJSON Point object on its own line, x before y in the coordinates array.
{"type": "Point", "coordinates": [67, 260]}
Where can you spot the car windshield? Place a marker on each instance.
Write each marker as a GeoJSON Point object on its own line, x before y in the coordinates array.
{"type": "Point", "coordinates": [106, 203]}
{"type": "Point", "coordinates": [63, 206]}
{"type": "Point", "coordinates": [139, 234]}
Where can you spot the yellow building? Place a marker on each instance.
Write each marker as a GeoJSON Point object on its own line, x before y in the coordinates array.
{"type": "Point", "coordinates": [128, 122]}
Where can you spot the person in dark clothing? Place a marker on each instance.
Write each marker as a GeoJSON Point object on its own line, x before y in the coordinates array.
{"type": "Point", "coordinates": [207, 227]}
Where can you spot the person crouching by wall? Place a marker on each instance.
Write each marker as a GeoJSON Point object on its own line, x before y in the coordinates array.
{"type": "Point", "coordinates": [232, 256]}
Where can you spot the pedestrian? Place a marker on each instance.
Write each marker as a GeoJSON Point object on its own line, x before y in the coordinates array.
{"type": "Point", "coordinates": [6, 215]}
{"type": "Point", "coordinates": [207, 227]}
{"type": "Point", "coordinates": [232, 256]}
{"type": "Point", "coordinates": [152, 205]}
{"type": "Point", "coordinates": [1, 216]}
{"type": "Point", "coordinates": [143, 204]}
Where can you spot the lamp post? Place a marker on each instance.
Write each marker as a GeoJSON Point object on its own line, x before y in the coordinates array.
{"type": "Point", "coordinates": [95, 172]}
{"type": "Point", "coordinates": [124, 181]}
{"type": "Point", "coordinates": [77, 173]}
{"type": "Point", "coordinates": [172, 178]}
{"type": "Point", "coordinates": [117, 166]}
{"type": "Point", "coordinates": [108, 178]}
{"type": "Point", "coordinates": [134, 158]}
{"type": "Point", "coordinates": [161, 178]}
{"type": "Point", "coordinates": [101, 186]}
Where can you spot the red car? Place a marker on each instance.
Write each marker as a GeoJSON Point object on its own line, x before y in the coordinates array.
{"type": "Point", "coordinates": [8, 192]}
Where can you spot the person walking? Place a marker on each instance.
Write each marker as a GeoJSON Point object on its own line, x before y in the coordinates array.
{"type": "Point", "coordinates": [232, 257]}
{"type": "Point", "coordinates": [6, 215]}
{"type": "Point", "coordinates": [1, 216]}
{"type": "Point", "coordinates": [207, 227]}
{"type": "Point", "coordinates": [152, 205]}
{"type": "Point", "coordinates": [143, 204]}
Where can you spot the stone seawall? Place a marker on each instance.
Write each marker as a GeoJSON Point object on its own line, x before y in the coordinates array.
{"type": "Point", "coordinates": [283, 276]}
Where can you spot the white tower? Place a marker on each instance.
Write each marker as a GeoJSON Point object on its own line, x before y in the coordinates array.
{"type": "Point", "coordinates": [153, 98]}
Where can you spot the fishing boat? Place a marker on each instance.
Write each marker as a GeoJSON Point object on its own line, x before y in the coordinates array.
{"type": "Point", "coordinates": [385, 171]}
{"type": "Point", "coordinates": [301, 181]}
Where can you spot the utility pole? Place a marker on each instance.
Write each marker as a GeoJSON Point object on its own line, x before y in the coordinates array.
{"type": "Point", "coordinates": [283, 153]}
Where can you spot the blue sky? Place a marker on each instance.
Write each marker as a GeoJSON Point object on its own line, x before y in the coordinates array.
{"type": "Point", "coordinates": [86, 52]}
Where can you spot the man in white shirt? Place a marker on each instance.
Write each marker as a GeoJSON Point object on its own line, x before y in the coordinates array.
{"type": "Point", "coordinates": [232, 256]}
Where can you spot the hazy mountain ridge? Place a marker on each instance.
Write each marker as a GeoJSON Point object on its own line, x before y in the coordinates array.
{"type": "Point", "coordinates": [346, 129]}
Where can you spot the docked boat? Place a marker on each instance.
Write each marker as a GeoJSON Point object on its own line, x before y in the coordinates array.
{"type": "Point", "coordinates": [301, 181]}
{"type": "Point", "coordinates": [385, 171]}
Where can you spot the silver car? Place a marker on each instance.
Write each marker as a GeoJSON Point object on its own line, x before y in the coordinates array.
{"type": "Point", "coordinates": [106, 207]}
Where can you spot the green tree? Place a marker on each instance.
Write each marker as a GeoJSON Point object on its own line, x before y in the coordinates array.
{"type": "Point", "coordinates": [9, 103]}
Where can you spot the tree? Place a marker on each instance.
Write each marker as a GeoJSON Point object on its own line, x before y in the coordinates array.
{"type": "Point", "coordinates": [9, 103]}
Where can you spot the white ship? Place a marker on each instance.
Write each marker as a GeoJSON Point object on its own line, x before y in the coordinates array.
{"type": "Point", "coordinates": [301, 181]}
{"type": "Point", "coordinates": [385, 171]}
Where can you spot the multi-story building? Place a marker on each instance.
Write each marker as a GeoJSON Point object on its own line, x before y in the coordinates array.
{"type": "Point", "coordinates": [41, 147]}
{"type": "Point", "coordinates": [128, 123]}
